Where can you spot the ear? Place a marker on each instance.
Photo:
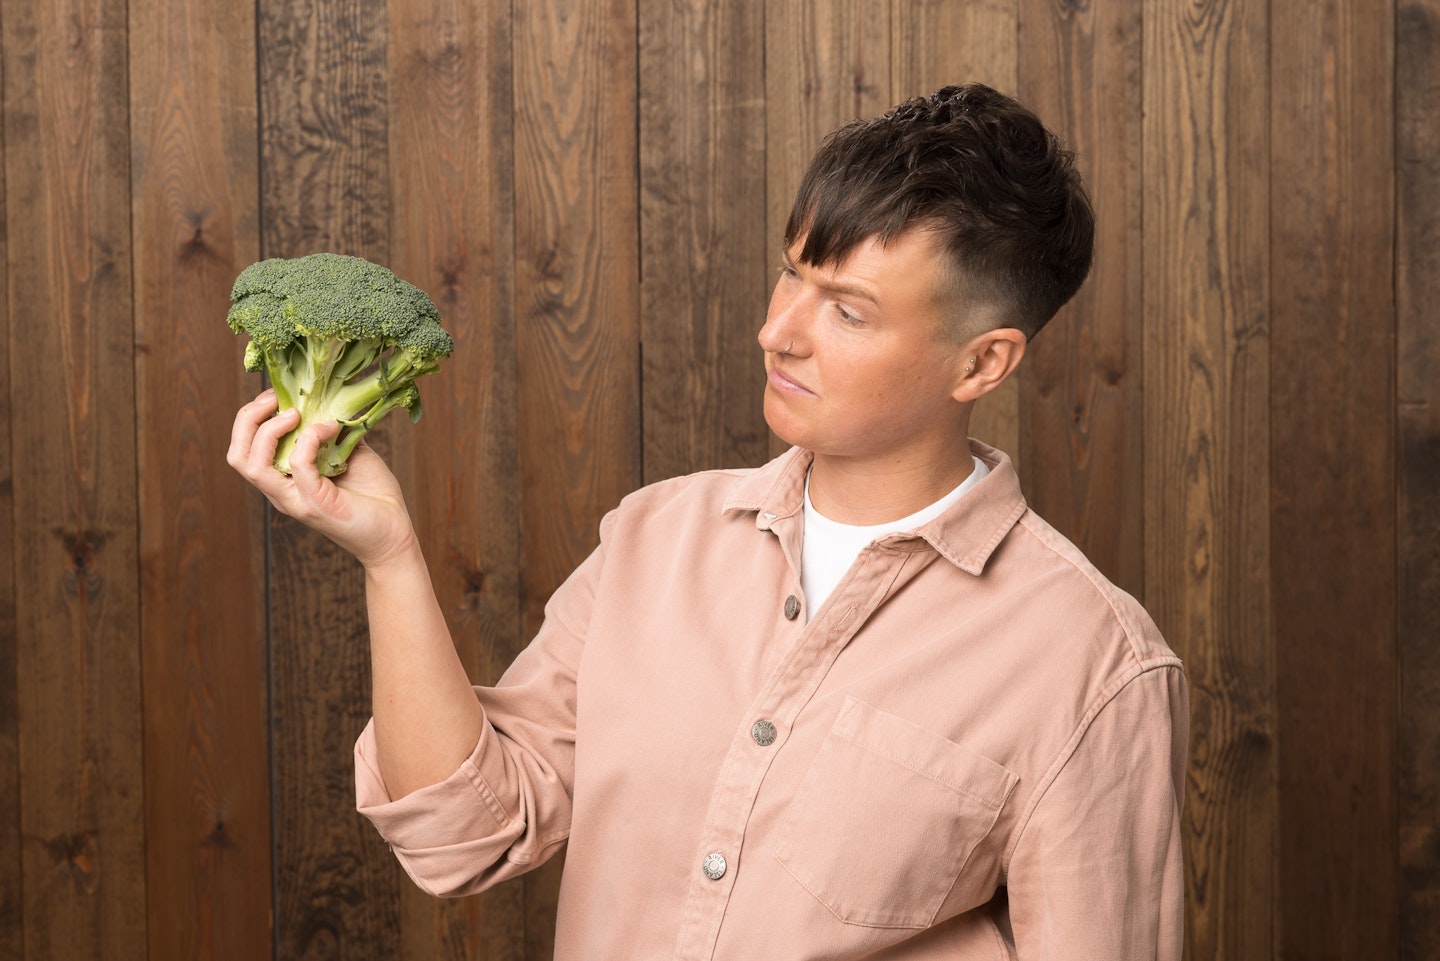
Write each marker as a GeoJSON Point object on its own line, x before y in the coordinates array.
{"type": "Point", "coordinates": [987, 359]}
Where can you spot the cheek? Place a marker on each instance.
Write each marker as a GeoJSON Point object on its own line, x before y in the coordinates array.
{"type": "Point", "coordinates": [874, 382]}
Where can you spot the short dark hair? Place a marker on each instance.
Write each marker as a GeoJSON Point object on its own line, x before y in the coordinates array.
{"type": "Point", "coordinates": [999, 190]}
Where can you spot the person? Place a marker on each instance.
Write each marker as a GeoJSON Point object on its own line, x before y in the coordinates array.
{"type": "Point", "coordinates": [858, 702]}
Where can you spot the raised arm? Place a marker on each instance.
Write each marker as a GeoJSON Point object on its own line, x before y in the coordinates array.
{"type": "Point", "coordinates": [427, 719]}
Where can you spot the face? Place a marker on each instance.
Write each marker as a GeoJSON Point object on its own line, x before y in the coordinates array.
{"type": "Point", "coordinates": [856, 360]}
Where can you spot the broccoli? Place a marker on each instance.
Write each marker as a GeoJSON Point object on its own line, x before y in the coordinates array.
{"type": "Point", "coordinates": [341, 338]}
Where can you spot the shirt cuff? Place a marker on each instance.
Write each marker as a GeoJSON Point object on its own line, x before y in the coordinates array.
{"type": "Point", "coordinates": [460, 810]}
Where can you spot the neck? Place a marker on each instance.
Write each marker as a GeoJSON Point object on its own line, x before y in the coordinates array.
{"type": "Point", "coordinates": [852, 492]}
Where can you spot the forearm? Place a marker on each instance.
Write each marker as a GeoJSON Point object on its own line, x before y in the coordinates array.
{"type": "Point", "coordinates": [427, 719]}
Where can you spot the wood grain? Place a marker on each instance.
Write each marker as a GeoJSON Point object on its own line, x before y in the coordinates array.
{"type": "Point", "coordinates": [1237, 419]}
{"type": "Point", "coordinates": [576, 287]}
{"type": "Point", "coordinates": [1417, 289]}
{"type": "Point", "coordinates": [827, 63]}
{"type": "Point", "coordinates": [1332, 433]}
{"type": "Point", "coordinates": [207, 718]}
{"type": "Point", "coordinates": [77, 613]}
{"type": "Point", "coordinates": [705, 254]}
{"type": "Point", "coordinates": [11, 866]}
{"type": "Point", "coordinates": [576, 304]}
{"type": "Point", "coordinates": [935, 43]}
{"type": "Point", "coordinates": [1082, 400]}
{"type": "Point", "coordinates": [325, 178]}
{"type": "Point", "coordinates": [705, 273]}
{"type": "Point", "coordinates": [452, 233]}
{"type": "Point", "coordinates": [1206, 457]}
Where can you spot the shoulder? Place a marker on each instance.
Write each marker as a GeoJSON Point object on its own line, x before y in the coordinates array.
{"type": "Point", "coordinates": [1064, 574]}
{"type": "Point", "coordinates": [1070, 618]}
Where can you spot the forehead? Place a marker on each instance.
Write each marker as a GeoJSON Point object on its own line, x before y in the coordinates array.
{"type": "Point", "coordinates": [910, 262]}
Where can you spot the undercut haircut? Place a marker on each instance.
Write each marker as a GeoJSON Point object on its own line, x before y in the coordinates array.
{"type": "Point", "coordinates": [998, 190]}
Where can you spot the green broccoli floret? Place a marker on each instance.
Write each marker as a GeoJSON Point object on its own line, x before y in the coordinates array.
{"type": "Point", "coordinates": [341, 338]}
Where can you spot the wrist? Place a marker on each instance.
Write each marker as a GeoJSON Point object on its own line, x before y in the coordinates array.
{"type": "Point", "coordinates": [402, 554]}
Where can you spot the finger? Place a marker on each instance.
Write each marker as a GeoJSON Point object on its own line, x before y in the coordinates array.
{"type": "Point", "coordinates": [261, 457]}
{"type": "Point", "coordinates": [308, 482]}
{"type": "Point", "coordinates": [247, 419]}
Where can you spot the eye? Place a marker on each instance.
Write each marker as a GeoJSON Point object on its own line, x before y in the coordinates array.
{"type": "Point", "coordinates": [847, 317]}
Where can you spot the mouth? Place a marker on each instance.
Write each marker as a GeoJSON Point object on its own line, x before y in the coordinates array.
{"type": "Point", "coordinates": [785, 384]}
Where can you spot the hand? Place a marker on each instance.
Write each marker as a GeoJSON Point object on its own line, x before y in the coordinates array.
{"type": "Point", "coordinates": [362, 510]}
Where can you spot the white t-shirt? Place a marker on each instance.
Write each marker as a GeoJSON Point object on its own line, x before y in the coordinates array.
{"type": "Point", "coordinates": [831, 547]}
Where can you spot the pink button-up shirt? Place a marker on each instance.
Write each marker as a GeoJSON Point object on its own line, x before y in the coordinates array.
{"type": "Point", "coordinates": [974, 749]}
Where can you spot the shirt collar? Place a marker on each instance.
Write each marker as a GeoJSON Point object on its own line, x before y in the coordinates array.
{"type": "Point", "coordinates": [966, 534]}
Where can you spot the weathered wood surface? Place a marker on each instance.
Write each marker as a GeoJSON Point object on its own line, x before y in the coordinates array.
{"type": "Point", "coordinates": [1417, 290]}
{"type": "Point", "coordinates": [12, 923]}
{"type": "Point", "coordinates": [1206, 303]}
{"type": "Point", "coordinates": [1236, 419]}
{"type": "Point", "coordinates": [1332, 443]}
{"type": "Point", "coordinates": [71, 382]}
{"type": "Point", "coordinates": [206, 746]}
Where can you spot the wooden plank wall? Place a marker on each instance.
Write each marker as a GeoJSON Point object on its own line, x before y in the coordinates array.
{"type": "Point", "coordinates": [1238, 419]}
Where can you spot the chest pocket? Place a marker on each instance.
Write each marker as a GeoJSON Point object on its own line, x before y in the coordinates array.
{"type": "Point", "coordinates": [887, 817]}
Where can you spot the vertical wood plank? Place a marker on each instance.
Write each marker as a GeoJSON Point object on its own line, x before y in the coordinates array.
{"type": "Point", "coordinates": [1333, 482]}
{"type": "Point", "coordinates": [325, 179]}
{"type": "Point", "coordinates": [1081, 403]}
{"type": "Point", "coordinates": [453, 235]}
{"type": "Point", "coordinates": [577, 268]}
{"type": "Point", "coordinates": [826, 63]}
{"type": "Point", "coordinates": [193, 167]}
{"type": "Point", "coordinates": [576, 303]}
{"type": "Point", "coordinates": [1207, 554]}
{"type": "Point", "coordinates": [705, 255]}
{"type": "Point", "coordinates": [936, 43]}
{"type": "Point", "coordinates": [1417, 288]}
{"type": "Point", "coordinates": [11, 870]}
{"type": "Point", "coordinates": [77, 616]}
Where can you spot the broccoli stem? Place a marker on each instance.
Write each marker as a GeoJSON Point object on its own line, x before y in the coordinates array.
{"type": "Point", "coordinates": [313, 376]}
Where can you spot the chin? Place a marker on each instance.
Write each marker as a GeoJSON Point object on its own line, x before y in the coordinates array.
{"type": "Point", "coordinates": [782, 426]}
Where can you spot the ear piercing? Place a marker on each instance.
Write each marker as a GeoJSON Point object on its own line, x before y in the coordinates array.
{"type": "Point", "coordinates": [970, 366]}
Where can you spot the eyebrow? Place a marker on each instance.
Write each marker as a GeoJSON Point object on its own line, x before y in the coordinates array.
{"type": "Point", "coordinates": [851, 290]}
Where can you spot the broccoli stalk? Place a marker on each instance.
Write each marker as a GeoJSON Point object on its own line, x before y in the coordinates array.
{"type": "Point", "coordinates": [340, 338]}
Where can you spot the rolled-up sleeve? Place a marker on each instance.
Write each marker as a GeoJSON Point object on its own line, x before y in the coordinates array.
{"type": "Point", "coordinates": [1096, 872]}
{"type": "Point", "coordinates": [453, 838]}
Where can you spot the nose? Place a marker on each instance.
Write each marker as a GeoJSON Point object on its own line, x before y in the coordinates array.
{"type": "Point", "coordinates": [782, 327]}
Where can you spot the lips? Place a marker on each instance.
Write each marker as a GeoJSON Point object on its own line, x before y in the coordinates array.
{"type": "Point", "coordinates": [787, 384]}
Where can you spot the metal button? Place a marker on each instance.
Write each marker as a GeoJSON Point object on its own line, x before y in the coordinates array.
{"type": "Point", "coordinates": [764, 733]}
{"type": "Point", "coordinates": [714, 866]}
{"type": "Point", "coordinates": [792, 607]}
